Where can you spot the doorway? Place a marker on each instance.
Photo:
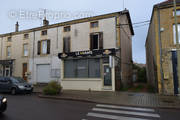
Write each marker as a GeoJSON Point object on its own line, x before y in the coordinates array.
{"type": "Point", "coordinates": [175, 76]}
{"type": "Point", "coordinates": [107, 76]}
{"type": "Point", "coordinates": [24, 71]}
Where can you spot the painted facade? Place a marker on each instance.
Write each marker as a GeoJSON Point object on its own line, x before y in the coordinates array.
{"type": "Point", "coordinates": [46, 42]}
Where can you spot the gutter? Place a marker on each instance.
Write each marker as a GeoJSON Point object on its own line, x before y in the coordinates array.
{"type": "Point", "coordinates": [160, 48]}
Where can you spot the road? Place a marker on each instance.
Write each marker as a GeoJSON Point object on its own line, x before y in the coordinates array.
{"type": "Point", "coordinates": [30, 107]}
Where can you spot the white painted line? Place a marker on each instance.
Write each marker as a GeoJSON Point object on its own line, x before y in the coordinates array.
{"type": "Point", "coordinates": [126, 112]}
{"type": "Point", "coordinates": [112, 117]}
{"type": "Point", "coordinates": [126, 108]}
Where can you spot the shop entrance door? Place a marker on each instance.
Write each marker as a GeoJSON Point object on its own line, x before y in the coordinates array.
{"type": "Point", "coordinates": [107, 76]}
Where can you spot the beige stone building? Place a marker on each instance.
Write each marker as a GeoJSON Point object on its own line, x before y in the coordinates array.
{"type": "Point", "coordinates": [161, 49]}
{"type": "Point", "coordinates": [90, 53]}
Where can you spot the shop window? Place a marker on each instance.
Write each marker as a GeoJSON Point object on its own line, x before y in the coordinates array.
{"type": "Point", "coordinates": [82, 68]}
{"type": "Point", "coordinates": [96, 41]}
{"type": "Point", "coordinates": [94, 24]}
{"type": "Point", "coordinates": [67, 29]}
{"type": "Point", "coordinates": [66, 44]}
{"type": "Point", "coordinates": [94, 68]}
{"type": "Point", "coordinates": [70, 69]}
{"type": "Point", "coordinates": [44, 32]}
{"type": "Point", "coordinates": [43, 47]}
{"type": "Point", "coordinates": [25, 50]}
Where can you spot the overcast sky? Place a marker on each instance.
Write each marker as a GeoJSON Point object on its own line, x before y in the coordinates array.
{"type": "Point", "coordinates": [64, 10]}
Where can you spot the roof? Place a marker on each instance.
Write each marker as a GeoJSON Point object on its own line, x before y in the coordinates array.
{"type": "Point", "coordinates": [162, 5]}
{"type": "Point", "coordinates": [167, 2]}
{"type": "Point", "coordinates": [115, 14]}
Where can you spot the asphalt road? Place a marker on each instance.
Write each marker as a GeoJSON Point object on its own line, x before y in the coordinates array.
{"type": "Point", "coordinates": [30, 107]}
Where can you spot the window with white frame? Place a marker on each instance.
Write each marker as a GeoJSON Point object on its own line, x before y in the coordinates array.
{"type": "Point", "coordinates": [25, 50]}
{"type": "Point", "coordinates": [8, 51]}
{"type": "Point", "coordinates": [177, 12]}
{"type": "Point", "coordinates": [174, 33]}
{"type": "Point", "coordinates": [43, 47]}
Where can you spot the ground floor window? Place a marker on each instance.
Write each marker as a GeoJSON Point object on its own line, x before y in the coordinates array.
{"type": "Point", "coordinates": [82, 68]}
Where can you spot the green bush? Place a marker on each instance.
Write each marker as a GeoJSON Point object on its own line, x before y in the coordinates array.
{"type": "Point", "coordinates": [53, 88]}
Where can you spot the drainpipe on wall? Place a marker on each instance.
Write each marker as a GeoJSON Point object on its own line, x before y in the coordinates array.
{"type": "Point", "coordinates": [33, 55]}
{"type": "Point", "coordinates": [160, 49]}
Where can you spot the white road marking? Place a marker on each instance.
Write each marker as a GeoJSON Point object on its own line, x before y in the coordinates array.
{"type": "Point", "coordinates": [126, 108]}
{"type": "Point", "coordinates": [126, 112]}
{"type": "Point", "coordinates": [113, 117]}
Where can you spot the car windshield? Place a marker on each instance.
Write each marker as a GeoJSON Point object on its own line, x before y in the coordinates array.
{"type": "Point", "coordinates": [18, 80]}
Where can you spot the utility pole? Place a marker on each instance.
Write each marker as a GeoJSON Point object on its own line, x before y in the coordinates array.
{"type": "Point", "coordinates": [177, 43]}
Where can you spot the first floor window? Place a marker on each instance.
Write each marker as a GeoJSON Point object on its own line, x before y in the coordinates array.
{"type": "Point", "coordinates": [174, 32]}
{"type": "Point", "coordinates": [25, 51]}
{"type": "Point", "coordinates": [96, 41]}
{"type": "Point", "coordinates": [82, 68]}
{"type": "Point", "coordinates": [43, 47]}
{"type": "Point", "coordinates": [9, 51]}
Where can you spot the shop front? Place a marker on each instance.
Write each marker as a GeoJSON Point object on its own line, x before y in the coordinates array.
{"type": "Point", "coordinates": [6, 67]}
{"type": "Point", "coordinates": [88, 70]}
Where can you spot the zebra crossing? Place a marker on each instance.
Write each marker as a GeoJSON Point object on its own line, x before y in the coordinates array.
{"type": "Point", "coordinates": [113, 112]}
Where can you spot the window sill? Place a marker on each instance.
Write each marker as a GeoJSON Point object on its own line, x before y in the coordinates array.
{"type": "Point", "coordinates": [81, 79]}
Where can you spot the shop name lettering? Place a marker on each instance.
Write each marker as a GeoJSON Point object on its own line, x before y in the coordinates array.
{"type": "Point", "coordinates": [83, 53]}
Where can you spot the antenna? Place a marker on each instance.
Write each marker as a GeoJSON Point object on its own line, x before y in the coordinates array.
{"type": "Point", "coordinates": [123, 5]}
{"type": "Point", "coordinates": [45, 14]}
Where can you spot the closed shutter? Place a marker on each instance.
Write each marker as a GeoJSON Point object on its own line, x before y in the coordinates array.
{"type": "Point", "coordinates": [66, 44]}
{"type": "Point", "coordinates": [39, 48]}
{"type": "Point", "coordinates": [64, 39]}
{"type": "Point", "coordinates": [48, 46]}
{"type": "Point", "coordinates": [101, 40]}
{"type": "Point", "coordinates": [91, 41]}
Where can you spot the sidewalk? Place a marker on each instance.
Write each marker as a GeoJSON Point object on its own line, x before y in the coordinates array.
{"type": "Point", "coordinates": [119, 98]}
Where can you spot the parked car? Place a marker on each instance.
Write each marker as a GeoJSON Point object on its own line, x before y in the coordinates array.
{"type": "Point", "coordinates": [15, 85]}
{"type": "Point", "coordinates": [3, 104]}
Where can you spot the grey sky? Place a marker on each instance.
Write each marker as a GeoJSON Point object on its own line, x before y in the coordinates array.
{"type": "Point", "coordinates": [140, 10]}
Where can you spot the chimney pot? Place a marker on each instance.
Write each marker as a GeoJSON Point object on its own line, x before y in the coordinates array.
{"type": "Point", "coordinates": [17, 27]}
{"type": "Point", "coordinates": [45, 22]}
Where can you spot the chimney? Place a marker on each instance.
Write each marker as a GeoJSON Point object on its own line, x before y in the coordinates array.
{"type": "Point", "coordinates": [16, 27]}
{"type": "Point", "coordinates": [45, 22]}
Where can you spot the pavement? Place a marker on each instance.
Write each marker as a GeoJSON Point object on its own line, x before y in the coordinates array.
{"type": "Point", "coordinates": [31, 107]}
{"type": "Point", "coordinates": [118, 98]}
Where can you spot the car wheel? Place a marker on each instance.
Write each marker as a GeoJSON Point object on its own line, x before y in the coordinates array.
{"type": "Point", "coordinates": [13, 91]}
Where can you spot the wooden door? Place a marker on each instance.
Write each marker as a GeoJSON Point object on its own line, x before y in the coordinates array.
{"type": "Point", "coordinates": [24, 71]}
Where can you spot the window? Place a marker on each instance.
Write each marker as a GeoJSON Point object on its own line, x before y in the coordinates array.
{"type": "Point", "coordinates": [43, 47]}
{"type": "Point", "coordinates": [67, 28]}
{"type": "Point", "coordinates": [26, 36]}
{"type": "Point", "coordinates": [9, 39]}
{"type": "Point", "coordinates": [174, 32]}
{"type": "Point", "coordinates": [44, 32]}
{"type": "Point", "coordinates": [96, 41]}
{"type": "Point", "coordinates": [94, 24]}
{"type": "Point", "coordinates": [177, 12]}
{"type": "Point", "coordinates": [66, 44]}
{"type": "Point", "coordinates": [25, 50]}
{"type": "Point", "coordinates": [8, 51]}
{"type": "Point", "coordinates": [82, 68]}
